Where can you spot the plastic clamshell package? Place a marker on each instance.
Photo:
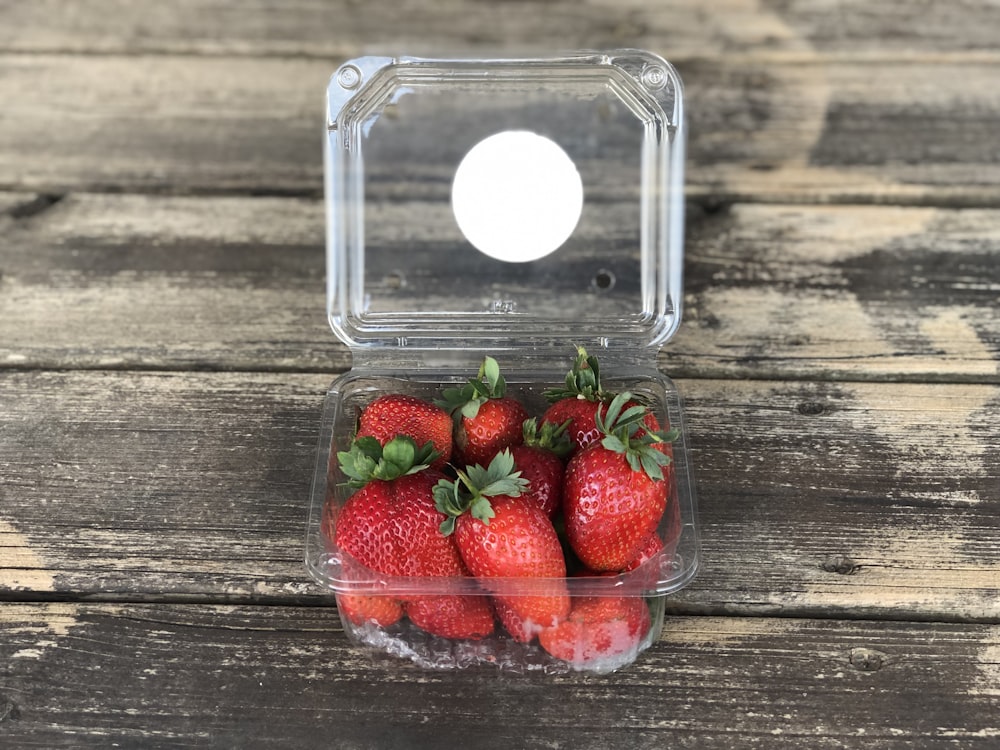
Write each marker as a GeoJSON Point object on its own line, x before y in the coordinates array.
{"type": "Point", "coordinates": [420, 306]}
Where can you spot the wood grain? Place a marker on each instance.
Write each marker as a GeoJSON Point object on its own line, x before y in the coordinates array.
{"type": "Point", "coordinates": [164, 356]}
{"type": "Point", "coordinates": [169, 282]}
{"type": "Point", "coordinates": [340, 28]}
{"type": "Point", "coordinates": [847, 499]}
{"type": "Point", "coordinates": [759, 130]}
{"type": "Point", "coordinates": [130, 281]}
{"type": "Point", "coordinates": [89, 675]}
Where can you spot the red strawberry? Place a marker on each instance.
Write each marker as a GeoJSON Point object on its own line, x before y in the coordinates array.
{"type": "Point", "coordinates": [600, 632]}
{"type": "Point", "coordinates": [649, 550]}
{"type": "Point", "coordinates": [398, 414]}
{"type": "Point", "coordinates": [663, 548]}
{"type": "Point", "coordinates": [486, 419]}
{"type": "Point", "coordinates": [361, 608]}
{"type": "Point", "coordinates": [540, 461]}
{"type": "Point", "coordinates": [452, 615]}
{"type": "Point", "coordinates": [391, 525]}
{"type": "Point", "coordinates": [616, 490]}
{"type": "Point", "coordinates": [365, 528]}
{"type": "Point", "coordinates": [577, 403]}
{"type": "Point", "coordinates": [425, 551]}
{"type": "Point", "coordinates": [582, 401]}
{"type": "Point", "coordinates": [518, 629]}
{"type": "Point", "coordinates": [503, 535]}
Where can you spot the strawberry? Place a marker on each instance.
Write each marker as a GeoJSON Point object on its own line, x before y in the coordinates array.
{"type": "Point", "coordinates": [486, 419]}
{"type": "Point", "coordinates": [582, 401]}
{"type": "Point", "coordinates": [663, 548]}
{"type": "Point", "coordinates": [616, 489]}
{"type": "Point", "coordinates": [520, 630]}
{"type": "Point", "coordinates": [599, 632]}
{"type": "Point", "coordinates": [365, 528]}
{"type": "Point", "coordinates": [425, 551]}
{"type": "Point", "coordinates": [501, 534]}
{"type": "Point", "coordinates": [578, 402]}
{"type": "Point", "coordinates": [452, 615]}
{"type": "Point", "coordinates": [540, 461]}
{"type": "Point", "coordinates": [391, 525]}
{"type": "Point", "coordinates": [398, 414]}
{"type": "Point", "coordinates": [361, 608]}
{"type": "Point", "coordinates": [653, 546]}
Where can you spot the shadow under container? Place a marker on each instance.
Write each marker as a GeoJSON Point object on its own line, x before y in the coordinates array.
{"type": "Point", "coordinates": [420, 301]}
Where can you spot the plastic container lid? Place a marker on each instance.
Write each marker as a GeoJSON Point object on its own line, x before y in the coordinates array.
{"type": "Point", "coordinates": [491, 205]}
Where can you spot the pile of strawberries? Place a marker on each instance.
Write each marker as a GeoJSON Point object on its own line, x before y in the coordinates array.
{"type": "Point", "coordinates": [473, 485]}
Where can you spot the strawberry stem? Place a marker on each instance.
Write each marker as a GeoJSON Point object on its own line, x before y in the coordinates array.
{"type": "Point", "coordinates": [368, 459]}
{"type": "Point", "coordinates": [471, 491]}
{"type": "Point", "coordinates": [549, 436]}
{"type": "Point", "coordinates": [582, 381]}
{"type": "Point", "coordinates": [465, 401]}
{"type": "Point", "coordinates": [625, 432]}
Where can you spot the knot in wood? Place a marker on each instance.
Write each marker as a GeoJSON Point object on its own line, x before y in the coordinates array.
{"type": "Point", "coordinates": [8, 710]}
{"type": "Point", "coordinates": [867, 660]}
{"type": "Point", "coordinates": [841, 565]}
{"type": "Point", "coordinates": [811, 408]}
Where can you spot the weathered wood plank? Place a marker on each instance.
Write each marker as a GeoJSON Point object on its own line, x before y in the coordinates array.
{"type": "Point", "coordinates": [872, 498]}
{"type": "Point", "coordinates": [88, 675]}
{"type": "Point", "coordinates": [859, 293]}
{"type": "Point", "coordinates": [342, 28]}
{"type": "Point", "coordinates": [846, 499]}
{"type": "Point", "coordinates": [759, 131]}
{"type": "Point", "coordinates": [126, 281]}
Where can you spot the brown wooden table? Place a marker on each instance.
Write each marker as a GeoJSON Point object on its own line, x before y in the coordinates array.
{"type": "Point", "coordinates": [164, 355]}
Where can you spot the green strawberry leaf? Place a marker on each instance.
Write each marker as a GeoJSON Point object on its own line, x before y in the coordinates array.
{"type": "Point", "coordinates": [359, 463]}
{"type": "Point", "coordinates": [550, 436]}
{"type": "Point", "coordinates": [470, 409]}
{"type": "Point", "coordinates": [633, 415]}
{"type": "Point", "coordinates": [621, 427]}
{"type": "Point", "coordinates": [400, 453]}
{"type": "Point", "coordinates": [447, 498]}
{"type": "Point", "coordinates": [490, 370]}
{"type": "Point", "coordinates": [651, 466]}
{"type": "Point", "coordinates": [583, 380]}
{"type": "Point", "coordinates": [500, 478]}
{"type": "Point", "coordinates": [475, 476]}
{"type": "Point", "coordinates": [607, 421]}
{"type": "Point", "coordinates": [512, 486]}
{"type": "Point", "coordinates": [501, 466]}
{"type": "Point", "coordinates": [634, 460]}
{"type": "Point", "coordinates": [465, 401]}
{"type": "Point", "coordinates": [614, 443]}
{"type": "Point", "coordinates": [482, 509]}
{"type": "Point", "coordinates": [670, 435]}
{"type": "Point", "coordinates": [368, 460]}
{"type": "Point", "coordinates": [472, 491]}
{"type": "Point", "coordinates": [367, 447]}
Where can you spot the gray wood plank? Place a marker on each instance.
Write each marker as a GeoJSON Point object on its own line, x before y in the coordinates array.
{"type": "Point", "coordinates": [97, 675]}
{"type": "Point", "coordinates": [684, 28]}
{"type": "Point", "coordinates": [760, 130]}
{"type": "Point", "coordinates": [853, 292]}
{"type": "Point", "coordinates": [168, 282]}
{"type": "Point", "coordinates": [846, 499]}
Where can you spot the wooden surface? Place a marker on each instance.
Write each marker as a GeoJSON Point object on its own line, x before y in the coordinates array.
{"type": "Point", "coordinates": [164, 355]}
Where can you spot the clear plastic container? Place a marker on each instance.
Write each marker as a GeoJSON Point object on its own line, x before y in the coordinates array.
{"type": "Point", "coordinates": [421, 289]}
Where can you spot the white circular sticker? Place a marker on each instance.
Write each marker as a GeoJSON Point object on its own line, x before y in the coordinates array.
{"type": "Point", "coordinates": [517, 196]}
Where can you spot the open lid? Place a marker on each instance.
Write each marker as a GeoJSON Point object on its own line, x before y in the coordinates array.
{"type": "Point", "coordinates": [489, 205]}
